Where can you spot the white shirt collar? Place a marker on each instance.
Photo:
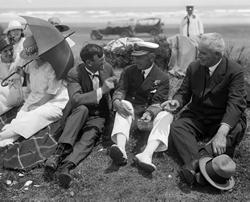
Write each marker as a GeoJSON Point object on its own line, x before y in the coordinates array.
{"type": "Point", "coordinates": [91, 73]}
{"type": "Point", "coordinates": [213, 68]}
{"type": "Point", "coordinates": [146, 71]}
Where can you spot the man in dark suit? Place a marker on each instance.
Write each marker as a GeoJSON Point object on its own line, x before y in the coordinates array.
{"type": "Point", "coordinates": [85, 114]}
{"type": "Point", "coordinates": [215, 93]}
{"type": "Point", "coordinates": [142, 87]}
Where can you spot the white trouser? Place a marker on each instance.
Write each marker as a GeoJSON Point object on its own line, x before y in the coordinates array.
{"type": "Point", "coordinates": [161, 129]}
{"type": "Point", "coordinates": [121, 124]}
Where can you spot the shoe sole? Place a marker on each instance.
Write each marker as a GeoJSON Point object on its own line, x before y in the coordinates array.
{"type": "Point", "coordinates": [64, 180]}
{"type": "Point", "coordinates": [188, 176]}
{"type": "Point", "coordinates": [144, 166]}
{"type": "Point", "coordinates": [117, 156]}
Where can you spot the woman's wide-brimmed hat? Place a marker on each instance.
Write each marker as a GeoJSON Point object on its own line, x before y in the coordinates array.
{"type": "Point", "coordinates": [30, 49]}
{"type": "Point", "coordinates": [4, 42]}
{"type": "Point", "coordinates": [218, 171]}
{"type": "Point", "coordinates": [13, 25]}
{"type": "Point", "coordinates": [57, 23]}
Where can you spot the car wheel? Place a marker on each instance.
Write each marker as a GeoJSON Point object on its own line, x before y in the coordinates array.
{"type": "Point", "coordinates": [154, 32]}
{"type": "Point", "coordinates": [125, 34]}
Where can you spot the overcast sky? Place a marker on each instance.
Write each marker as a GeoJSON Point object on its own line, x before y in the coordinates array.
{"type": "Point", "coordinates": [115, 3]}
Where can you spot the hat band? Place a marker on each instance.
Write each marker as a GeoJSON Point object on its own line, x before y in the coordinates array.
{"type": "Point", "coordinates": [213, 175]}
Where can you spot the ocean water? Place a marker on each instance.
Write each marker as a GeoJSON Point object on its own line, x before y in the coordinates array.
{"type": "Point", "coordinates": [128, 15]}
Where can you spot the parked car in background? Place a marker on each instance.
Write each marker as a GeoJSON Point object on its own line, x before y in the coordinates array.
{"type": "Point", "coordinates": [123, 30]}
{"type": "Point", "coordinates": [153, 26]}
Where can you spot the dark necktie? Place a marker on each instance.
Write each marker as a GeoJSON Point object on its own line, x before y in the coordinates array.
{"type": "Point", "coordinates": [188, 22]}
{"type": "Point", "coordinates": [143, 74]}
{"type": "Point", "coordinates": [207, 75]}
{"type": "Point", "coordinates": [95, 80]}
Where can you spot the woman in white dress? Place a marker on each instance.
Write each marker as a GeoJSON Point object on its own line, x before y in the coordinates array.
{"type": "Point", "coordinates": [45, 100]}
{"type": "Point", "coordinates": [10, 95]}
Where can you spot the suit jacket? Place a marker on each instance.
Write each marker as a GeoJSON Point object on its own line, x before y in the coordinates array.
{"type": "Point", "coordinates": [224, 98]}
{"type": "Point", "coordinates": [143, 94]}
{"type": "Point", "coordinates": [80, 88]}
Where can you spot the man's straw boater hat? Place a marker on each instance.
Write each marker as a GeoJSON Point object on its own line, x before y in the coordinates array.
{"type": "Point", "coordinates": [30, 49]}
{"type": "Point", "coordinates": [189, 7]}
{"type": "Point", "coordinates": [218, 171]}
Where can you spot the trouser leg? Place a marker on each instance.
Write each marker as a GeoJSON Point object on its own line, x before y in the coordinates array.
{"type": "Point", "coordinates": [91, 132]}
{"type": "Point", "coordinates": [183, 134]}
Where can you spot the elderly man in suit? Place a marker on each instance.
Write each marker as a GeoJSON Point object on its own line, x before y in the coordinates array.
{"type": "Point", "coordinates": [142, 87]}
{"type": "Point", "coordinates": [85, 114]}
{"type": "Point", "coordinates": [215, 93]}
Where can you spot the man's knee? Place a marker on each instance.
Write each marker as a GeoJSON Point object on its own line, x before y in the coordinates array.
{"type": "Point", "coordinates": [82, 109]}
{"type": "Point", "coordinates": [236, 135]}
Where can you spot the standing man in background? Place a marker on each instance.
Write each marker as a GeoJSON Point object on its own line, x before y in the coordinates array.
{"type": "Point", "coordinates": [191, 24]}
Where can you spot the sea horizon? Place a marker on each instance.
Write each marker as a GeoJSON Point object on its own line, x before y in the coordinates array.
{"type": "Point", "coordinates": [120, 15]}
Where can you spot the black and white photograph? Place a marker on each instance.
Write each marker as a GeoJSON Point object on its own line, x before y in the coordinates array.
{"type": "Point", "coordinates": [136, 100]}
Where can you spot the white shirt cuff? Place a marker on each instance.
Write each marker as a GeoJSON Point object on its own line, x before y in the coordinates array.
{"type": "Point", "coordinates": [99, 94]}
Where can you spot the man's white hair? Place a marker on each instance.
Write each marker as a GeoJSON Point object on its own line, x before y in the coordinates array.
{"type": "Point", "coordinates": [214, 41]}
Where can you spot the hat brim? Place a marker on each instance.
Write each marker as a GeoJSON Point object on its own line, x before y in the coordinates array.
{"type": "Point", "coordinates": [13, 28]}
{"type": "Point", "coordinates": [62, 28]}
{"type": "Point", "coordinates": [24, 56]}
{"type": "Point", "coordinates": [139, 53]}
{"type": "Point", "coordinates": [202, 164]}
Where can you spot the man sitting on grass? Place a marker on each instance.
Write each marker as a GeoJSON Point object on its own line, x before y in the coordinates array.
{"type": "Point", "coordinates": [214, 92]}
{"type": "Point", "coordinates": [89, 85]}
{"type": "Point", "coordinates": [142, 87]}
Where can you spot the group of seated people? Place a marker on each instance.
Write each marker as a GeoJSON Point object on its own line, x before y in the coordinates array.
{"type": "Point", "coordinates": [212, 98]}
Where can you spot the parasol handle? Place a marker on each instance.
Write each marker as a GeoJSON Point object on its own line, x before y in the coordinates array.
{"type": "Point", "coordinates": [4, 83]}
{"type": "Point", "coordinates": [69, 34]}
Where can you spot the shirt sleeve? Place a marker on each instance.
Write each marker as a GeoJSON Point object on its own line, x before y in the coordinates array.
{"type": "Point", "coordinates": [99, 94]}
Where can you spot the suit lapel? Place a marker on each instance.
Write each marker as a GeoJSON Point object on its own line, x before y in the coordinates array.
{"type": "Point", "coordinates": [86, 79]}
{"type": "Point", "coordinates": [151, 76]}
{"type": "Point", "coordinates": [217, 76]}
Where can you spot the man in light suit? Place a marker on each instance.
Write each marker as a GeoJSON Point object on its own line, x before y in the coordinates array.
{"type": "Point", "coordinates": [215, 93]}
{"type": "Point", "coordinates": [85, 114]}
{"type": "Point", "coordinates": [142, 87]}
{"type": "Point", "coordinates": [191, 24]}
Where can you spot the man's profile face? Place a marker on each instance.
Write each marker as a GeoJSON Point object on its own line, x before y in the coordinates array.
{"type": "Point", "coordinates": [206, 56]}
{"type": "Point", "coordinates": [143, 61]}
{"type": "Point", "coordinates": [97, 63]}
{"type": "Point", "coordinates": [7, 54]}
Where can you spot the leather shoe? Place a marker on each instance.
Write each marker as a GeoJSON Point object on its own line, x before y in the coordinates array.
{"type": "Point", "coordinates": [200, 179]}
{"type": "Point", "coordinates": [144, 163]}
{"type": "Point", "coordinates": [50, 167]}
{"type": "Point", "coordinates": [189, 171]}
{"type": "Point", "coordinates": [64, 176]}
{"type": "Point", "coordinates": [118, 156]}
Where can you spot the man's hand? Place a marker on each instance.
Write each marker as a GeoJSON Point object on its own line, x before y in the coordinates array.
{"type": "Point", "coordinates": [219, 141]}
{"type": "Point", "coordinates": [108, 84]}
{"type": "Point", "coordinates": [170, 105]}
{"type": "Point", "coordinates": [146, 117]}
{"type": "Point", "coordinates": [122, 108]}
